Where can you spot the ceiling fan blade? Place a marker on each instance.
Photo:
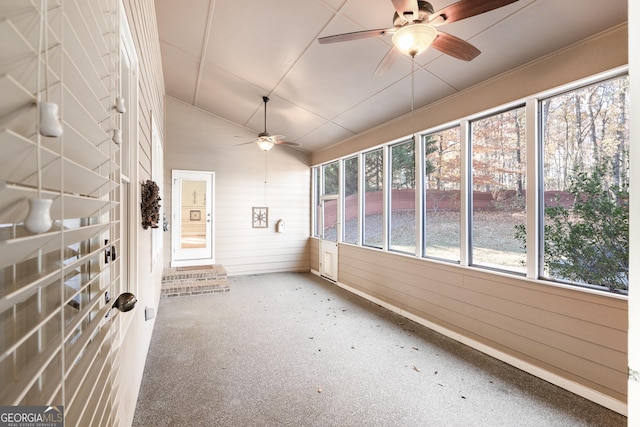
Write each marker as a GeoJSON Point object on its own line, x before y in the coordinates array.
{"type": "Point", "coordinates": [387, 62]}
{"type": "Point", "coordinates": [244, 143]}
{"type": "Point", "coordinates": [356, 35]}
{"type": "Point", "coordinates": [466, 9]}
{"type": "Point", "coordinates": [288, 144]}
{"type": "Point", "coordinates": [280, 140]}
{"type": "Point", "coordinates": [454, 46]}
{"type": "Point", "coordinates": [406, 6]}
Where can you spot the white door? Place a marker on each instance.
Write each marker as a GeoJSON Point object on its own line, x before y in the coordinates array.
{"type": "Point", "coordinates": [192, 218]}
{"type": "Point", "coordinates": [329, 239]}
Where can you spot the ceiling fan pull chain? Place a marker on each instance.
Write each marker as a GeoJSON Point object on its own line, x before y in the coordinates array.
{"type": "Point", "coordinates": [265, 178]}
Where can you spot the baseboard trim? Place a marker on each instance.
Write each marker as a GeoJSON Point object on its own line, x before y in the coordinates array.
{"type": "Point", "coordinates": [572, 386]}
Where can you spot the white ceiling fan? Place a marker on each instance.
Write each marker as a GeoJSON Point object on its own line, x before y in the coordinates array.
{"type": "Point", "coordinates": [415, 28]}
{"type": "Point", "coordinates": [265, 140]}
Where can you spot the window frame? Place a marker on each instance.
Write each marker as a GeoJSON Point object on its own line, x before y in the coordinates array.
{"type": "Point", "coordinates": [422, 184]}
{"type": "Point", "coordinates": [343, 196]}
{"type": "Point", "coordinates": [388, 191]}
{"type": "Point", "coordinates": [533, 173]}
{"type": "Point", "coordinates": [384, 177]}
{"type": "Point", "coordinates": [469, 193]}
{"type": "Point", "coordinates": [537, 271]}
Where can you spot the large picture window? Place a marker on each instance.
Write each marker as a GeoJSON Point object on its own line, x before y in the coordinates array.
{"type": "Point", "coordinates": [330, 173]}
{"type": "Point", "coordinates": [402, 198]}
{"type": "Point", "coordinates": [586, 185]}
{"type": "Point", "coordinates": [373, 203]}
{"type": "Point", "coordinates": [331, 180]}
{"type": "Point", "coordinates": [317, 191]}
{"type": "Point", "coordinates": [442, 194]}
{"type": "Point", "coordinates": [350, 204]}
{"type": "Point", "coordinates": [498, 147]}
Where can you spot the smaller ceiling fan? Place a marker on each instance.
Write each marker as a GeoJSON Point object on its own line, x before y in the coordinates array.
{"type": "Point", "coordinates": [265, 140]}
{"type": "Point", "coordinates": [414, 29]}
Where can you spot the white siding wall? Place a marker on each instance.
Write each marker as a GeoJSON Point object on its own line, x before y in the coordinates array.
{"type": "Point", "coordinates": [200, 141]}
{"type": "Point", "coordinates": [133, 354]}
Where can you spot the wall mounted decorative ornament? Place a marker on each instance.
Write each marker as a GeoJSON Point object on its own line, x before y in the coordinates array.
{"type": "Point", "coordinates": [260, 217]}
{"type": "Point", "coordinates": [48, 112]}
{"type": "Point", "coordinates": [38, 219]}
{"type": "Point", "coordinates": [117, 136]}
{"type": "Point", "coordinates": [150, 204]}
{"type": "Point", "coordinates": [120, 105]}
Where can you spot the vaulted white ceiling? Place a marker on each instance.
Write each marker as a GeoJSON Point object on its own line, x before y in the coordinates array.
{"type": "Point", "coordinates": [223, 55]}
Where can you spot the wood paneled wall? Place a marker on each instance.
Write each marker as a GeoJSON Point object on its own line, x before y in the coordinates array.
{"type": "Point", "coordinates": [578, 336]}
{"type": "Point", "coordinates": [314, 250]}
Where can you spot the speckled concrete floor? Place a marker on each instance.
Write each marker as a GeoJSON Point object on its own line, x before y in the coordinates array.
{"type": "Point", "coordinates": [295, 350]}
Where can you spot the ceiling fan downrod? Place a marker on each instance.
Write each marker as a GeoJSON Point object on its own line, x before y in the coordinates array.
{"type": "Point", "coordinates": [265, 99]}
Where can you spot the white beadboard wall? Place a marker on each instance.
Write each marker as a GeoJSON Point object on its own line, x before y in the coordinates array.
{"type": "Point", "coordinates": [196, 140]}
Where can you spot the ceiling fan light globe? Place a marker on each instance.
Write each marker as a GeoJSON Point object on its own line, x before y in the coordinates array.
{"type": "Point", "coordinates": [265, 144]}
{"type": "Point", "coordinates": [414, 39]}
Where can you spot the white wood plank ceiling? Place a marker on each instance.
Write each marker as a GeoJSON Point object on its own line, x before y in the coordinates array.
{"type": "Point", "coordinates": [224, 55]}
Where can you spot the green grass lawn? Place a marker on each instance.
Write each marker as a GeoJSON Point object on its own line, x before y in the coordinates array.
{"type": "Point", "coordinates": [494, 243]}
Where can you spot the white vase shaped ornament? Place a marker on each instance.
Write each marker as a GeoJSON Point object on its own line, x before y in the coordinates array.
{"type": "Point", "coordinates": [50, 119]}
{"type": "Point", "coordinates": [120, 106]}
{"type": "Point", "coordinates": [117, 136]}
{"type": "Point", "coordinates": [39, 216]}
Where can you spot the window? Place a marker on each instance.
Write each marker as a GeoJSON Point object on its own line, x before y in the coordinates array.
{"type": "Point", "coordinates": [475, 208]}
{"type": "Point", "coordinates": [498, 181]}
{"type": "Point", "coordinates": [316, 182]}
{"type": "Point", "coordinates": [373, 203]}
{"type": "Point", "coordinates": [402, 198]}
{"type": "Point", "coordinates": [350, 204]}
{"type": "Point", "coordinates": [330, 175]}
{"type": "Point", "coordinates": [329, 206]}
{"type": "Point", "coordinates": [586, 185]}
{"type": "Point", "coordinates": [442, 194]}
